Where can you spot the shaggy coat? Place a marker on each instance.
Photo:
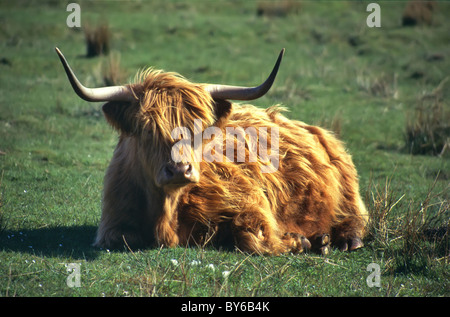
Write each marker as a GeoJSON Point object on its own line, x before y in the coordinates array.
{"type": "Point", "coordinates": [310, 197]}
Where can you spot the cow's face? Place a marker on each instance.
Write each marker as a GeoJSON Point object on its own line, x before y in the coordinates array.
{"type": "Point", "coordinates": [166, 102]}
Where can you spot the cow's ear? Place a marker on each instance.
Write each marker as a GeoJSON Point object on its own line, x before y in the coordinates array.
{"type": "Point", "coordinates": [121, 115]}
{"type": "Point", "coordinates": [222, 110]}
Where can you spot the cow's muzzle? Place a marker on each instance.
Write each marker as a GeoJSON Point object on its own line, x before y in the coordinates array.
{"type": "Point", "coordinates": [178, 174]}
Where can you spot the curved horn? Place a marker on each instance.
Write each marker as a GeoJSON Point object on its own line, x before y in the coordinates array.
{"type": "Point", "coordinates": [113, 93]}
{"type": "Point", "coordinates": [245, 93]}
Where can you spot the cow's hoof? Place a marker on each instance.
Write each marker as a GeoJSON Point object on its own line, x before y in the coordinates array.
{"type": "Point", "coordinates": [351, 244]}
{"type": "Point", "coordinates": [321, 243]}
{"type": "Point", "coordinates": [325, 249]}
{"type": "Point", "coordinates": [297, 242]}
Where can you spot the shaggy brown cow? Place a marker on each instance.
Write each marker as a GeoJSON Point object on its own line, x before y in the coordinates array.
{"type": "Point", "coordinates": [303, 194]}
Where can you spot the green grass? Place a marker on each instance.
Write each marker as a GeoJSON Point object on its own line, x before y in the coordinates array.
{"type": "Point", "coordinates": [56, 147]}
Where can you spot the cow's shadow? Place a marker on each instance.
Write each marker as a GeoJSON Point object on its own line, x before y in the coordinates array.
{"type": "Point", "coordinates": [62, 241]}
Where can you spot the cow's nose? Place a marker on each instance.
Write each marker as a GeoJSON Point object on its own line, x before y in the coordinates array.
{"type": "Point", "coordinates": [178, 170]}
{"type": "Point", "coordinates": [179, 173]}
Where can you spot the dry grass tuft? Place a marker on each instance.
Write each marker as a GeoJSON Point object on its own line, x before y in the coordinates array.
{"type": "Point", "coordinates": [418, 12]}
{"type": "Point", "coordinates": [112, 73]}
{"type": "Point", "coordinates": [428, 128]}
{"type": "Point", "coordinates": [279, 8]}
{"type": "Point", "coordinates": [333, 124]}
{"type": "Point", "coordinates": [382, 86]}
{"type": "Point", "coordinates": [410, 240]}
{"type": "Point", "coordinates": [381, 203]}
{"type": "Point", "coordinates": [2, 224]}
{"type": "Point", "coordinates": [98, 39]}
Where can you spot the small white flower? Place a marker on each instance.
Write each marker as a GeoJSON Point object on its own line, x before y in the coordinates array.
{"type": "Point", "coordinates": [174, 262]}
{"type": "Point", "coordinates": [211, 266]}
{"type": "Point", "coordinates": [195, 262]}
{"type": "Point", "coordinates": [225, 274]}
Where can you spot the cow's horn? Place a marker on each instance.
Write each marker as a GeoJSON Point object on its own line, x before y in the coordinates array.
{"type": "Point", "coordinates": [245, 93]}
{"type": "Point", "coordinates": [112, 93]}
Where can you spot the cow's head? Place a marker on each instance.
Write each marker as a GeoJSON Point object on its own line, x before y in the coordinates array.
{"type": "Point", "coordinates": [149, 110]}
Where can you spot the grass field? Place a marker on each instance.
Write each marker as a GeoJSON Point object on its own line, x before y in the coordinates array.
{"type": "Point", "coordinates": [373, 86]}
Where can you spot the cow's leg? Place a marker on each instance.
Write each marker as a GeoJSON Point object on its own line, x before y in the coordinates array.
{"type": "Point", "coordinates": [165, 233]}
{"type": "Point", "coordinates": [123, 220]}
{"type": "Point", "coordinates": [167, 222]}
{"type": "Point", "coordinates": [348, 232]}
{"type": "Point", "coordinates": [123, 225]}
{"type": "Point", "coordinates": [346, 237]}
{"type": "Point", "coordinates": [119, 237]}
{"type": "Point", "coordinates": [257, 232]}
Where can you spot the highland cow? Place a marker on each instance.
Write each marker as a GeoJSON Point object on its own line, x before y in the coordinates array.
{"type": "Point", "coordinates": [308, 200]}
